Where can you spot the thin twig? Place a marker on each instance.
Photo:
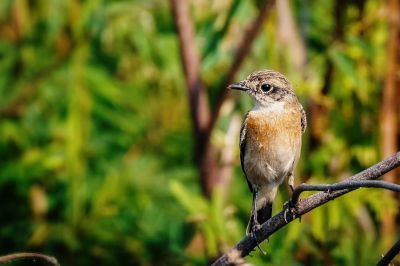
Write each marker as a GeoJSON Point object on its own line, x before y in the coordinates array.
{"type": "Point", "coordinates": [248, 243]}
{"type": "Point", "coordinates": [26, 255]}
{"type": "Point", "coordinates": [389, 256]}
{"type": "Point", "coordinates": [344, 185]}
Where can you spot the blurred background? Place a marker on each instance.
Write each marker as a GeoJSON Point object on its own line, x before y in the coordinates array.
{"type": "Point", "coordinates": [119, 141]}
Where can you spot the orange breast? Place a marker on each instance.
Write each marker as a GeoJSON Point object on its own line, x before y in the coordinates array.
{"type": "Point", "coordinates": [273, 141]}
{"type": "Point", "coordinates": [270, 129]}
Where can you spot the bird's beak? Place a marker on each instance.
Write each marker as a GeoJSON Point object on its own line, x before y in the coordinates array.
{"type": "Point", "coordinates": [238, 86]}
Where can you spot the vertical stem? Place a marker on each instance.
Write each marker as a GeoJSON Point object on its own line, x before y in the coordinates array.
{"type": "Point", "coordinates": [388, 112]}
{"type": "Point", "coordinates": [205, 155]}
{"type": "Point", "coordinates": [191, 65]}
{"type": "Point", "coordinates": [203, 120]}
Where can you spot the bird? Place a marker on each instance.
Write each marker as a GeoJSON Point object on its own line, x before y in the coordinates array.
{"type": "Point", "coordinates": [270, 139]}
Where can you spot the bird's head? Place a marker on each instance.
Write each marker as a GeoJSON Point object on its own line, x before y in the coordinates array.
{"type": "Point", "coordinates": [266, 87]}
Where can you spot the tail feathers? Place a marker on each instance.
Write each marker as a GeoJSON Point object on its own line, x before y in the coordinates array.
{"type": "Point", "coordinates": [263, 214]}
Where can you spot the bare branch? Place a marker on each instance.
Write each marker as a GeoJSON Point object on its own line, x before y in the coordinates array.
{"type": "Point", "coordinates": [389, 256]}
{"type": "Point", "coordinates": [241, 53]}
{"type": "Point", "coordinates": [25, 255]}
{"type": "Point", "coordinates": [200, 110]}
{"type": "Point", "coordinates": [204, 153]}
{"type": "Point", "coordinates": [247, 244]}
{"type": "Point", "coordinates": [344, 185]}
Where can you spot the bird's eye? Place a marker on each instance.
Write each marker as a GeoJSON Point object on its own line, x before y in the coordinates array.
{"type": "Point", "coordinates": [267, 87]}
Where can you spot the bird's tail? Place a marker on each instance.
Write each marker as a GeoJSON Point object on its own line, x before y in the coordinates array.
{"type": "Point", "coordinates": [264, 213]}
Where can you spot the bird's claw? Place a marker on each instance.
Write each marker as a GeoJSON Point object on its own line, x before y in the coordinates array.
{"type": "Point", "coordinates": [289, 206]}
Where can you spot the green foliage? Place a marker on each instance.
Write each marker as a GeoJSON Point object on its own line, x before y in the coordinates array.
{"type": "Point", "coordinates": [212, 217]}
{"type": "Point", "coordinates": [96, 148]}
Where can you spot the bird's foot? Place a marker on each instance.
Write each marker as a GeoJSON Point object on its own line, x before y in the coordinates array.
{"type": "Point", "coordinates": [256, 226]}
{"type": "Point", "coordinates": [290, 207]}
{"type": "Point", "coordinates": [292, 187]}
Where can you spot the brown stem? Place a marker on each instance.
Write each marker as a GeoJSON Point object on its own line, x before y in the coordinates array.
{"type": "Point", "coordinates": [203, 121]}
{"type": "Point", "coordinates": [205, 155]}
{"type": "Point", "coordinates": [191, 65]}
{"type": "Point", "coordinates": [388, 112]}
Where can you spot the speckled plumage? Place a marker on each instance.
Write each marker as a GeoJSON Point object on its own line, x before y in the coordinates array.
{"type": "Point", "coordinates": [270, 138]}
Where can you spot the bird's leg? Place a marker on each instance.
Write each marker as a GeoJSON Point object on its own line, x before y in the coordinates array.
{"type": "Point", "coordinates": [290, 205]}
{"type": "Point", "coordinates": [256, 225]}
{"type": "Point", "coordinates": [291, 181]}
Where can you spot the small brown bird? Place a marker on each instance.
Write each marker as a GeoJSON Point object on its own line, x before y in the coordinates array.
{"type": "Point", "coordinates": [270, 139]}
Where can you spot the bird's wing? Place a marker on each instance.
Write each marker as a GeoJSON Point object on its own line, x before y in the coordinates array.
{"type": "Point", "coordinates": [303, 119]}
{"type": "Point", "coordinates": [242, 145]}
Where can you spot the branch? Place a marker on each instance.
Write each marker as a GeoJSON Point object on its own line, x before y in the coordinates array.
{"type": "Point", "coordinates": [198, 98]}
{"type": "Point", "coordinates": [344, 185]}
{"type": "Point", "coordinates": [241, 53]}
{"type": "Point", "coordinates": [190, 57]}
{"type": "Point", "coordinates": [389, 256]}
{"type": "Point", "coordinates": [25, 255]}
{"type": "Point", "coordinates": [248, 243]}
